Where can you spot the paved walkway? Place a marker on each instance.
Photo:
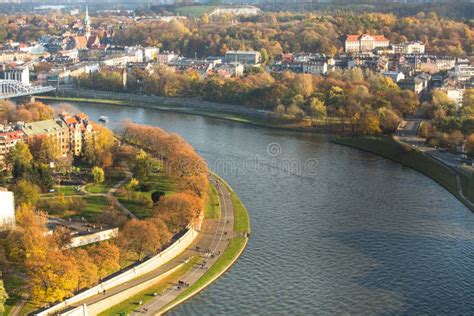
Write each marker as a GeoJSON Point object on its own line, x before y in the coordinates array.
{"type": "Point", "coordinates": [213, 235]}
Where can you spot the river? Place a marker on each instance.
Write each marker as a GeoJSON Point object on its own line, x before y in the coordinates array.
{"type": "Point", "coordinates": [334, 230]}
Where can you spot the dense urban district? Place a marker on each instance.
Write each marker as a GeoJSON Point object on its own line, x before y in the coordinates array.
{"type": "Point", "coordinates": [89, 202]}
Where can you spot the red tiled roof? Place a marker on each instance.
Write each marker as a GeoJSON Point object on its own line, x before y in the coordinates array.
{"type": "Point", "coordinates": [14, 135]}
{"type": "Point", "coordinates": [70, 120]}
{"type": "Point", "coordinates": [355, 38]}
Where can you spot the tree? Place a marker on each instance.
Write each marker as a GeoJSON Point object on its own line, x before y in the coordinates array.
{"type": "Point", "coordinates": [264, 56]}
{"type": "Point", "coordinates": [26, 193]}
{"type": "Point", "coordinates": [142, 166]}
{"type": "Point", "coordinates": [470, 145]}
{"type": "Point", "coordinates": [389, 120]}
{"type": "Point", "coordinates": [317, 109]}
{"type": "Point", "coordinates": [98, 174]}
{"type": "Point", "coordinates": [141, 238]}
{"type": "Point", "coordinates": [20, 159]}
{"type": "Point", "coordinates": [88, 271]}
{"type": "Point", "coordinates": [369, 124]}
{"type": "Point", "coordinates": [179, 210]}
{"type": "Point", "coordinates": [156, 196]}
{"type": "Point", "coordinates": [3, 297]}
{"type": "Point", "coordinates": [45, 149]}
{"type": "Point", "coordinates": [52, 278]}
{"type": "Point", "coordinates": [106, 257]}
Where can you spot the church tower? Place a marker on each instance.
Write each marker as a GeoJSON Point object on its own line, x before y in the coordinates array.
{"type": "Point", "coordinates": [87, 24]}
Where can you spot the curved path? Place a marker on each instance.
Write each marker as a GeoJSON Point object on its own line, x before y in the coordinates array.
{"type": "Point", "coordinates": [213, 235]}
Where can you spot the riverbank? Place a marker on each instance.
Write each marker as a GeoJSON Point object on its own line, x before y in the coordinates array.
{"type": "Point", "coordinates": [231, 254]}
{"type": "Point", "coordinates": [456, 183]}
{"type": "Point", "coordinates": [222, 111]}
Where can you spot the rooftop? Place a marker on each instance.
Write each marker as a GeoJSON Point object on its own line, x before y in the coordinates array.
{"type": "Point", "coordinates": [42, 127]}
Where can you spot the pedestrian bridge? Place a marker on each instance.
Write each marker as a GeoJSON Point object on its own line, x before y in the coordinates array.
{"type": "Point", "coordinates": [13, 89]}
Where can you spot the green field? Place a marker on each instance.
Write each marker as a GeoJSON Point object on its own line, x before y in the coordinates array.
{"type": "Point", "coordinates": [212, 208]}
{"type": "Point", "coordinates": [387, 147]}
{"type": "Point", "coordinates": [194, 10]}
{"type": "Point", "coordinates": [158, 181]}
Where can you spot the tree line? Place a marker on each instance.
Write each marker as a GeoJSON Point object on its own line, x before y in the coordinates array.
{"type": "Point", "coordinates": [50, 271]}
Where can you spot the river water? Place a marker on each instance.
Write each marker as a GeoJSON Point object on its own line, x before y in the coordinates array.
{"type": "Point", "coordinates": [334, 230]}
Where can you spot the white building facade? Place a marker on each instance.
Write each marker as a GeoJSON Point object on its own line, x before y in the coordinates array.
{"type": "Point", "coordinates": [7, 210]}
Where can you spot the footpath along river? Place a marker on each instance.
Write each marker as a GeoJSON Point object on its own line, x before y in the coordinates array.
{"type": "Point", "coordinates": [334, 229]}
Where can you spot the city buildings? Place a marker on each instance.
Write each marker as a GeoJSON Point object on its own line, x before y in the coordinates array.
{"type": "Point", "coordinates": [8, 139]}
{"type": "Point", "coordinates": [14, 71]}
{"type": "Point", "coordinates": [409, 48]}
{"type": "Point", "coordinates": [55, 129]}
{"type": "Point", "coordinates": [80, 131]}
{"type": "Point", "coordinates": [243, 57]}
{"type": "Point", "coordinates": [365, 43]}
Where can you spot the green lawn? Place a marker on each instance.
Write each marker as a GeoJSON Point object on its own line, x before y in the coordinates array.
{"type": "Point", "coordinates": [68, 190]}
{"type": "Point", "coordinates": [194, 10]}
{"type": "Point", "coordinates": [158, 181]}
{"type": "Point", "coordinates": [389, 148]}
{"type": "Point", "coordinates": [145, 296]}
{"type": "Point", "coordinates": [98, 187]}
{"type": "Point", "coordinates": [212, 208]}
{"type": "Point", "coordinates": [94, 206]}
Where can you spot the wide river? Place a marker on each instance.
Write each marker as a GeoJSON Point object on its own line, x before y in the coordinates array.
{"type": "Point", "coordinates": [334, 230]}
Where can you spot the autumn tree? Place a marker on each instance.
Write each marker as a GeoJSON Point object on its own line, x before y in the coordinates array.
{"type": "Point", "coordinates": [98, 174]}
{"type": "Point", "coordinates": [106, 256]}
{"type": "Point", "coordinates": [140, 238]}
{"type": "Point", "coordinates": [26, 192]}
{"type": "Point", "coordinates": [3, 297]}
{"type": "Point", "coordinates": [369, 124]}
{"type": "Point", "coordinates": [178, 210]}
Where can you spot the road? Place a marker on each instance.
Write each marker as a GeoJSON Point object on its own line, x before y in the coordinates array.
{"type": "Point", "coordinates": [213, 235]}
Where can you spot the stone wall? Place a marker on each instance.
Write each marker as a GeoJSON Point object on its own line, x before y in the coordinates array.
{"type": "Point", "coordinates": [149, 265]}
{"type": "Point", "coordinates": [194, 103]}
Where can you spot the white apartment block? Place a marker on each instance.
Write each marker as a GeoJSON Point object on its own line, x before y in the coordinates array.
{"type": "Point", "coordinates": [243, 57]}
{"type": "Point", "coordinates": [409, 48]}
{"type": "Point", "coordinates": [365, 43]}
{"type": "Point", "coordinates": [7, 210]}
{"type": "Point", "coordinates": [315, 67]}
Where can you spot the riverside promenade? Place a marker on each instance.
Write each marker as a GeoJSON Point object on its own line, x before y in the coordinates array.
{"type": "Point", "coordinates": [211, 246]}
{"type": "Point", "coordinates": [210, 243]}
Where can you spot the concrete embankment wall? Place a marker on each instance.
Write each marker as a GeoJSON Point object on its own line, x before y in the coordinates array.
{"type": "Point", "coordinates": [113, 300]}
{"type": "Point", "coordinates": [178, 102]}
{"type": "Point", "coordinates": [151, 264]}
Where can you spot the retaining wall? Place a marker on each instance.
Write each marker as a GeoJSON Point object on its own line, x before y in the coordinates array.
{"type": "Point", "coordinates": [151, 264]}
{"type": "Point", "coordinates": [118, 298]}
{"type": "Point", "coordinates": [179, 102]}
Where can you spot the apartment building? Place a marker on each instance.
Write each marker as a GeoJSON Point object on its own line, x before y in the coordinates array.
{"type": "Point", "coordinates": [80, 131]}
{"type": "Point", "coordinates": [8, 140]}
{"type": "Point", "coordinates": [56, 129]}
{"type": "Point", "coordinates": [365, 43]}
{"type": "Point", "coordinates": [242, 57]}
{"type": "Point", "coordinates": [409, 48]}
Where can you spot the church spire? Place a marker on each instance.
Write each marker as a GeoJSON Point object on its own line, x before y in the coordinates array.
{"type": "Point", "coordinates": [87, 23]}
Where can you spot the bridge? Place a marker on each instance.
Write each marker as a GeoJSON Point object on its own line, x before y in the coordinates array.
{"type": "Point", "coordinates": [13, 88]}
